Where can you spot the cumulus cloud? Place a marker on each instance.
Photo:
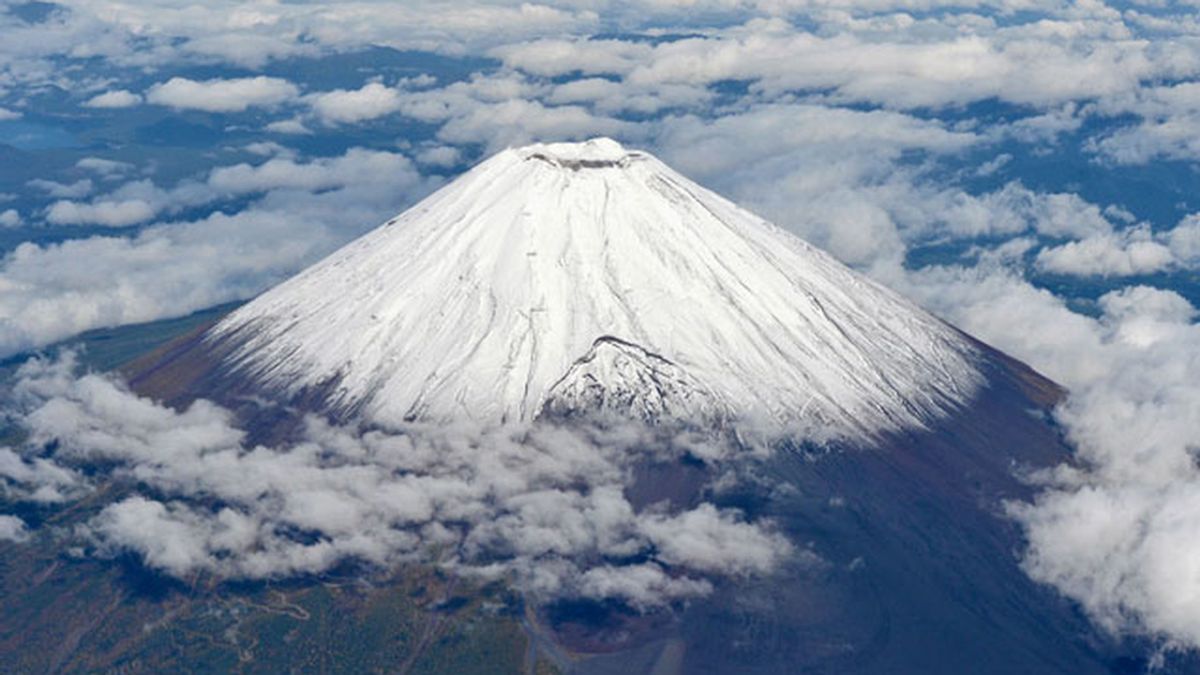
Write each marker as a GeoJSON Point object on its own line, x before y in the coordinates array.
{"type": "Point", "coordinates": [292, 126]}
{"type": "Point", "coordinates": [1117, 535]}
{"type": "Point", "coordinates": [105, 168]}
{"type": "Point", "coordinates": [117, 98]}
{"type": "Point", "coordinates": [1168, 127]}
{"type": "Point", "coordinates": [843, 165]}
{"type": "Point", "coordinates": [1113, 531]}
{"type": "Point", "coordinates": [103, 212]}
{"type": "Point", "coordinates": [542, 506]}
{"type": "Point", "coordinates": [1045, 64]}
{"type": "Point", "coordinates": [373, 100]}
{"type": "Point", "coordinates": [441, 156]}
{"type": "Point", "coordinates": [12, 528]}
{"type": "Point", "coordinates": [10, 218]}
{"type": "Point", "coordinates": [223, 96]}
{"type": "Point", "coordinates": [550, 57]}
{"type": "Point", "coordinates": [249, 50]}
{"type": "Point", "coordinates": [1132, 251]}
{"type": "Point", "coordinates": [80, 188]}
{"type": "Point", "coordinates": [517, 122]}
{"type": "Point", "coordinates": [299, 212]}
{"type": "Point", "coordinates": [356, 166]}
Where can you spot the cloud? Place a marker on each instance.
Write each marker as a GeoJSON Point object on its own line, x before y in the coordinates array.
{"type": "Point", "coordinates": [117, 98]}
{"type": "Point", "coordinates": [1168, 127]}
{"type": "Point", "coordinates": [103, 212]}
{"type": "Point", "coordinates": [608, 96]}
{"type": "Point", "coordinates": [12, 528]}
{"type": "Point", "coordinates": [289, 126]}
{"type": "Point", "coordinates": [132, 203]}
{"type": "Point", "coordinates": [299, 212]}
{"type": "Point", "coordinates": [38, 479]}
{"type": "Point", "coordinates": [343, 106]}
{"type": "Point", "coordinates": [10, 218]}
{"type": "Point", "coordinates": [1132, 251]}
{"type": "Point", "coordinates": [1117, 535]}
{"type": "Point", "coordinates": [442, 156]}
{"type": "Point", "coordinates": [519, 122]}
{"type": "Point", "coordinates": [80, 188]}
{"type": "Point", "coordinates": [1113, 530]}
{"type": "Point", "coordinates": [551, 57]}
{"type": "Point", "coordinates": [105, 168]}
{"type": "Point", "coordinates": [224, 96]}
{"type": "Point", "coordinates": [542, 506]}
{"type": "Point", "coordinates": [6, 114]}
{"type": "Point", "coordinates": [841, 164]}
{"type": "Point", "coordinates": [894, 61]}
{"type": "Point", "coordinates": [249, 50]}
{"type": "Point", "coordinates": [356, 166]}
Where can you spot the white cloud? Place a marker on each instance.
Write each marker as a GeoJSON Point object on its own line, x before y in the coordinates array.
{"type": "Point", "coordinates": [13, 528]}
{"type": "Point", "coordinates": [103, 212]}
{"type": "Point", "coordinates": [38, 479]}
{"type": "Point", "coordinates": [1168, 128]}
{"type": "Point", "coordinates": [1131, 251]}
{"type": "Point", "coordinates": [610, 97]}
{"type": "Point", "coordinates": [1113, 530]}
{"type": "Point", "coordinates": [80, 188]}
{"type": "Point", "coordinates": [6, 114]}
{"type": "Point", "coordinates": [442, 156]}
{"type": "Point", "coordinates": [518, 122]}
{"type": "Point", "coordinates": [357, 166]}
{"type": "Point", "coordinates": [343, 106]}
{"type": "Point", "coordinates": [840, 164]}
{"type": "Point", "coordinates": [293, 127]}
{"type": "Point", "coordinates": [105, 168]}
{"type": "Point", "coordinates": [550, 57]}
{"type": "Point", "coordinates": [1042, 64]}
{"type": "Point", "coordinates": [217, 95]}
{"type": "Point", "coordinates": [543, 506]}
{"type": "Point", "coordinates": [249, 50]}
{"type": "Point", "coordinates": [172, 269]}
{"type": "Point", "coordinates": [1118, 535]}
{"type": "Point", "coordinates": [10, 218]}
{"type": "Point", "coordinates": [117, 98]}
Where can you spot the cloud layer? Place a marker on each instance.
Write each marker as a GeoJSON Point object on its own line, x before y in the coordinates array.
{"type": "Point", "coordinates": [544, 507]}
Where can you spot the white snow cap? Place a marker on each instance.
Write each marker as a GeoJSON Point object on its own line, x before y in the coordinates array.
{"type": "Point", "coordinates": [569, 276]}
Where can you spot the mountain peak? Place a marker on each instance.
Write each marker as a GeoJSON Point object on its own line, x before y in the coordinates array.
{"type": "Point", "coordinates": [595, 153]}
{"type": "Point", "coordinates": [485, 300]}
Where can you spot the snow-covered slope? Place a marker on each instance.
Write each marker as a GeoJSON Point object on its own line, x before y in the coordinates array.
{"type": "Point", "coordinates": [555, 275]}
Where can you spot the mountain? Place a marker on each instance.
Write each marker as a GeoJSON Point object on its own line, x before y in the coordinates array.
{"type": "Point", "coordinates": [564, 281]}
{"type": "Point", "coordinates": [560, 271]}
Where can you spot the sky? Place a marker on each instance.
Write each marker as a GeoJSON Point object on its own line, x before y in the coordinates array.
{"type": "Point", "coordinates": [1026, 170]}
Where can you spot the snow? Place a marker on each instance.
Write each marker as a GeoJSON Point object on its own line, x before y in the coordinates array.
{"type": "Point", "coordinates": [486, 301]}
{"type": "Point", "coordinates": [626, 380]}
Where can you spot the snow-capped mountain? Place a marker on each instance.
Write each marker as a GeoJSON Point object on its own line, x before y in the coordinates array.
{"type": "Point", "coordinates": [561, 276]}
{"type": "Point", "coordinates": [573, 279]}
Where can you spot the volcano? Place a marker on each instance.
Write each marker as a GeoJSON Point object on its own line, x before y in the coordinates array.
{"type": "Point", "coordinates": [563, 281]}
{"type": "Point", "coordinates": [568, 276]}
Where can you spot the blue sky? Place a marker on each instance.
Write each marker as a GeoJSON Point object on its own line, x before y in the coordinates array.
{"type": "Point", "coordinates": [1025, 169]}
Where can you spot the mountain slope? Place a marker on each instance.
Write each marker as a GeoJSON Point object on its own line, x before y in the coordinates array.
{"type": "Point", "coordinates": [478, 300]}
